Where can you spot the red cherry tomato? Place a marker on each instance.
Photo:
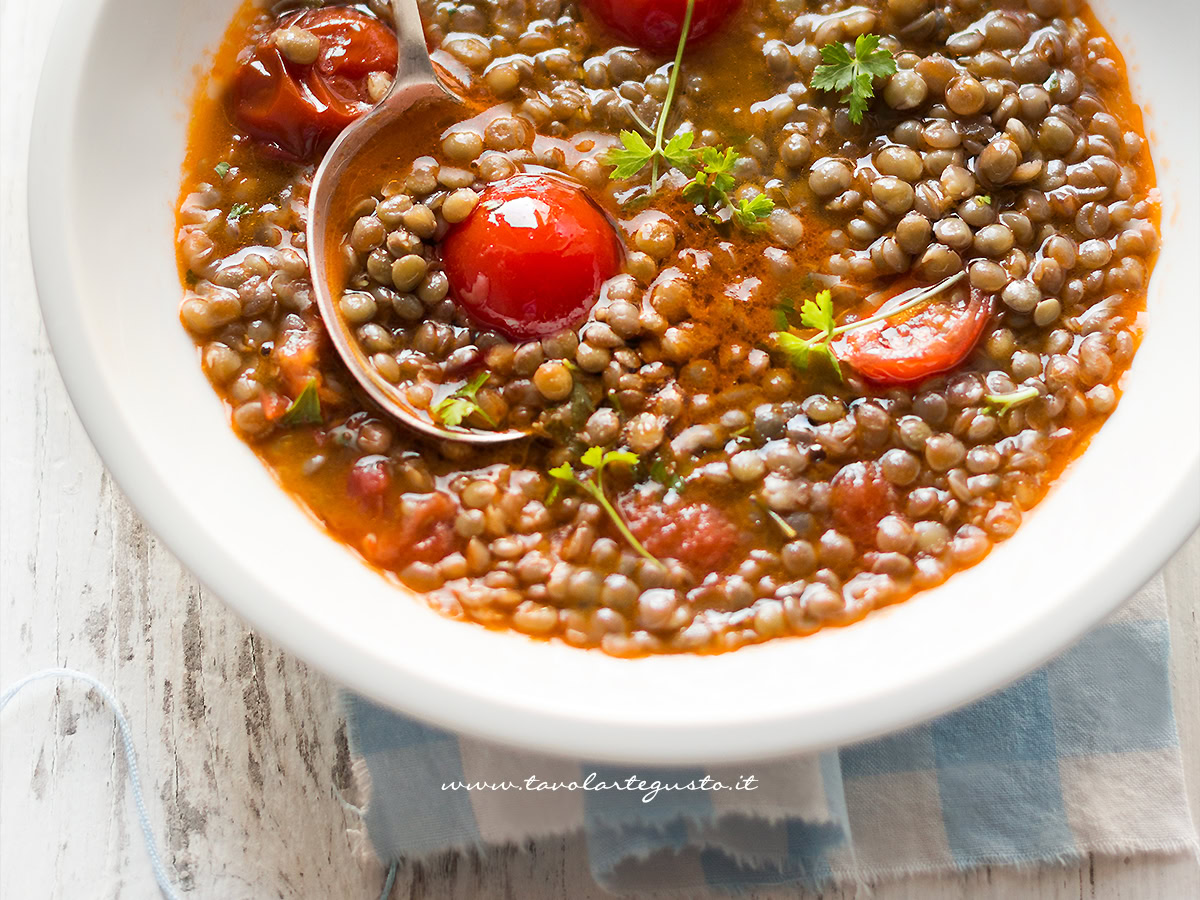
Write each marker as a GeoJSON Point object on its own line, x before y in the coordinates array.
{"type": "Point", "coordinates": [697, 534]}
{"type": "Point", "coordinates": [861, 497]}
{"type": "Point", "coordinates": [931, 339]}
{"type": "Point", "coordinates": [296, 111]}
{"type": "Point", "coordinates": [425, 534]}
{"type": "Point", "coordinates": [531, 258]}
{"type": "Point", "coordinates": [657, 24]}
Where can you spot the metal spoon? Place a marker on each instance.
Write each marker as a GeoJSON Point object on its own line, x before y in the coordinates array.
{"type": "Point", "coordinates": [416, 86]}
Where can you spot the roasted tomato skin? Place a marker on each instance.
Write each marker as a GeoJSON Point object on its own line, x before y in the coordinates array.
{"type": "Point", "coordinates": [657, 24]}
{"type": "Point", "coordinates": [422, 532]}
{"type": "Point", "coordinates": [531, 258]}
{"type": "Point", "coordinates": [699, 535]}
{"type": "Point", "coordinates": [860, 497]}
{"type": "Point", "coordinates": [295, 111]}
{"type": "Point", "coordinates": [929, 340]}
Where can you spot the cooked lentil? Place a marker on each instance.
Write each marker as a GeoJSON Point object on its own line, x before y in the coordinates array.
{"type": "Point", "coordinates": [778, 500]}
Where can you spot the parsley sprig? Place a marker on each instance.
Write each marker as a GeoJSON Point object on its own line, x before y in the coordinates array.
{"type": "Point", "coordinates": [711, 189]}
{"type": "Point", "coordinates": [818, 314]}
{"type": "Point", "coordinates": [678, 150]}
{"type": "Point", "coordinates": [238, 210]}
{"type": "Point", "coordinates": [463, 403]}
{"type": "Point", "coordinates": [597, 459]}
{"type": "Point", "coordinates": [1000, 404]}
{"type": "Point", "coordinates": [305, 409]}
{"type": "Point", "coordinates": [855, 75]}
{"type": "Point", "coordinates": [711, 168]}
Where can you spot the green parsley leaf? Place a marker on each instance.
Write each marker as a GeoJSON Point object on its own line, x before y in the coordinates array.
{"type": "Point", "coordinates": [563, 472]}
{"type": "Point", "coordinates": [628, 457]}
{"type": "Point", "coordinates": [631, 160]}
{"type": "Point", "coordinates": [800, 351]}
{"type": "Point", "coordinates": [593, 458]}
{"type": "Point", "coordinates": [1000, 404]}
{"type": "Point", "coordinates": [305, 409]}
{"type": "Point", "coordinates": [818, 313]}
{"type": "Point", "coordinates": [854, 75]}
{"type": "Point", "coordinates": [795, 347]}
{"type": "Point", "coordinates": [985, 198]}
{"type": "Point", "coordinates": [751, 214]}
{"type": "Point", "coordinates": [222, 169]}
{"type": "Point", "coordinates": [239, 210]}
{"type": "Point", "coordinates": [462, 404]}
{"type": "Point", "coordinates": [679, 152]}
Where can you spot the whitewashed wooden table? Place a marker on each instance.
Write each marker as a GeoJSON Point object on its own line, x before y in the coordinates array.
{"type": "Point", "coordinates": [242, 748]}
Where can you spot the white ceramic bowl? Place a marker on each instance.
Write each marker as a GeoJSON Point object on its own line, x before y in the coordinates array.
{"type": "Point", "coordinates": [107, 146]}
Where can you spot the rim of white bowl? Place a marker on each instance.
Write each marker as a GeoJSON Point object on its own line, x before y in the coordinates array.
{"type": "Point", "coordinates": [1163, 524]}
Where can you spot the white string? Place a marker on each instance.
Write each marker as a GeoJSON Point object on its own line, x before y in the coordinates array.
{"type": "Point", "coordinates": [156, 863]}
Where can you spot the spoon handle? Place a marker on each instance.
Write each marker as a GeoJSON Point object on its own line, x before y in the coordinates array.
{"type": "Point", "coordinates": [414, 65]}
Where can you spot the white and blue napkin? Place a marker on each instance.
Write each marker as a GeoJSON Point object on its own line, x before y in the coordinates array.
{"type": "Point", "coordinates": [1080, 757]}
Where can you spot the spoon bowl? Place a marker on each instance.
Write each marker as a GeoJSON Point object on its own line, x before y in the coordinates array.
{"type": "Point", "coordinates": [416, 91]}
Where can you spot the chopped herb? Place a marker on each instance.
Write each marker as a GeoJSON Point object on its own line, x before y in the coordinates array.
{"type": "Point", "coordinates": [616, 403]}
{"type": "Point", "coordinates": [306, 408]}
{"type": "Point", "coordinates": [660, 472]}
{"type": "Point", "coordinates": [597, 459]}
{"type": "Point", "coordinates": [711, 187]}
{"type": "Point", "coordinates": [854, 74]}
{"type": "Point", "coordinates": [239, 210]}
{"type": "Point", "coordinates": [788, 531]}
{"type": "Point", "coordinates": [785, 314]}
{"type": "Point", "coordinates": [999, 404]}
{"type": "Point", "coordinates": [463, 403]}
{"type": "Point", "coordinates": [222, 169]}
{"type": "Point", "coordinates": [985, 198]}
{"type": "Point", "coordinates": [678, 150]}
{"type": "Point", "coordinates": [714, 180]}
{"type": "Point", "coordinates": [818, 314]}
{"type": "Point", "coordinates": [1053, 82]}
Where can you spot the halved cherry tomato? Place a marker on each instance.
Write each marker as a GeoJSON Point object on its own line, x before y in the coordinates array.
{"type": "Point", "coordinates": [530, 259]}
{"type": "Point", "coordinates": [295, 111]}
{"type": "Point", "coordinates": [426, 534]}
{"type": "Point", "coordinates": [860, 498]}
{"type": "Point", "coordinates": [657, 24]}
{"type": "Point", "coordinates": [697, 534]}
{"type": "Point", "coordinates": [369, 481]}
{"type": "Point", "coordinates": [930, 339]}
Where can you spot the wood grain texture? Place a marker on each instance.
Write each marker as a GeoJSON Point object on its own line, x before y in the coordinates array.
{"type": "Point", "coordinates": [241, 746]}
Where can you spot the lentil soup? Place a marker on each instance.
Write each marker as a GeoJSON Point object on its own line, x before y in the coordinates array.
{"type": "Point", "coordinates": [802, 305]}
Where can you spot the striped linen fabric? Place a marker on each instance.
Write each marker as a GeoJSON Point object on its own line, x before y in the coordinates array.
{"type": "Point", "coordinates": [1080, 757]}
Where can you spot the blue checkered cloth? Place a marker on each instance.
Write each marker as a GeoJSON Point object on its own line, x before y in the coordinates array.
{"type": "Point", "coordinates": [1079, 757]}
